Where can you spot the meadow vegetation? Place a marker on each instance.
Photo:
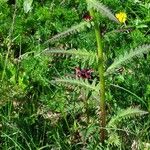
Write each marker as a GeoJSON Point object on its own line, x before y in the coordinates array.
{"type": "Point", "coordinates": [74, 74]}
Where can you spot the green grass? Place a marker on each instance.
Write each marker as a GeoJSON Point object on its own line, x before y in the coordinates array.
{"type": "Point", "coordinates": [37, 111]}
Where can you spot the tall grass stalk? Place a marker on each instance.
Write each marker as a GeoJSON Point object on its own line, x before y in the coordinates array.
{"type": "Point", "coordinates": [9, 38]}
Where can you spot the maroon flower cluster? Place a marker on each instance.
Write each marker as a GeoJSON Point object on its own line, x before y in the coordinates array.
{"type": "Point", "coordinates": [87, 17]}
{"type": "Point", "coordinates": [83, 73]}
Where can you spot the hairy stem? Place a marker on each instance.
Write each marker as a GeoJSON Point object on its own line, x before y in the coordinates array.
{"type": "Point", "coordinates": [101, 76]}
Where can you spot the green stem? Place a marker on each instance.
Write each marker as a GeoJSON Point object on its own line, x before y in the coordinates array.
{"type": "Point", "coordinates": [101, 76]}
{"type": "Point", "coordinates": [6, 61]}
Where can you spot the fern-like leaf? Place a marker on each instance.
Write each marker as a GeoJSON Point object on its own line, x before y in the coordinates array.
{"type": "Point", "coordinates": [74, 29]}
{"type": "Point", "coordinates": [78, 82]}
{"type": "Point", "coordinates": [127, 57]}
{"type": "Point", "coordinates": [125, 114]}
{"type": "Point", "coordinates": [81, 54]}
{"type": "Point", "coordinates": [102, 9]}
{"type": "Point", "coordinates": [114, 139]}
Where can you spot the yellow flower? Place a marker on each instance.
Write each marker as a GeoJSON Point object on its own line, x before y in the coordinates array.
{"type": "Point", "coordinates": [121, 16]}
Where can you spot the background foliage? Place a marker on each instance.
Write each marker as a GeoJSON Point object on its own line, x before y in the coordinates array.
{"type": "Point", "coordinates": [37, 114]}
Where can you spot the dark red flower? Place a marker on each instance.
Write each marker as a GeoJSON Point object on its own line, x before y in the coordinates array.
{"type": "Point", "coordinates": [83, 73]}
{"type": "Point", "coordinates": [87, 17]}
